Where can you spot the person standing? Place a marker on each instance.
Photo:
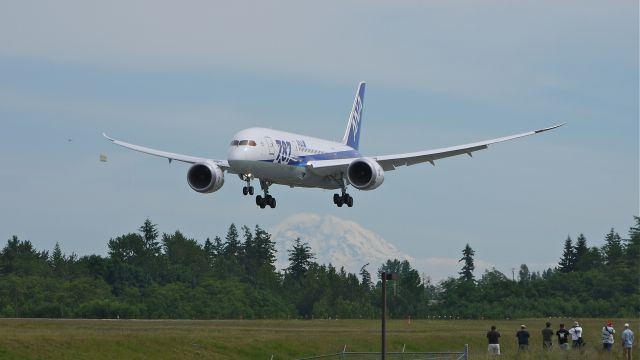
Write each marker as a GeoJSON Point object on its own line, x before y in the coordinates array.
{"type": "Point", "coordinates": [576, 335]}
{"type": "Point", "coordinates": [563, 337]}
{"type": "Point", "coordinates": [607, 336]}
{"type": "Point", "coordinates": [547, 335]}
{"type": "Point", "coordinates": [627, 341]}
{"type": "Point", "coordinates": [493, 337]}
{"type": "Point", "coordinates": [523, 339]}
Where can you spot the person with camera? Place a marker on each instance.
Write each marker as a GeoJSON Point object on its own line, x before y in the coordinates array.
{"type": "Point", "coordinates": [576, 335]}
{"type": "Point", "coordinates": [607, 336]}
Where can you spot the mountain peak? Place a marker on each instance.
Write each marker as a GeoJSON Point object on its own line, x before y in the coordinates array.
{"type": "Point", "coordinates": [341, 242]}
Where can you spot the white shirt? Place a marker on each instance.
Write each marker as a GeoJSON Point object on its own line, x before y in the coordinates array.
{"type": "Point", "coordinates": [576, 332]}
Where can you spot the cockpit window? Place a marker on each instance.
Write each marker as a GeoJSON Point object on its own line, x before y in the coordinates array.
{"type": "Point", "coordinates": [234, 143]}
{"type": "Point", "coordinates": [247, 142]}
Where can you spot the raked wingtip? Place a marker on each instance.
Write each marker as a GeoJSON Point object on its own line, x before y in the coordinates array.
{"type": "Point", "coordinates": [550, 128]}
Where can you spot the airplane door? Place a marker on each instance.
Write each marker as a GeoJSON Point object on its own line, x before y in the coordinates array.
{"type": "Point", "coordinates": [271, 148]}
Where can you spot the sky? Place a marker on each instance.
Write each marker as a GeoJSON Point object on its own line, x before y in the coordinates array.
{"type": "Point", "coordinates": [185, 76]}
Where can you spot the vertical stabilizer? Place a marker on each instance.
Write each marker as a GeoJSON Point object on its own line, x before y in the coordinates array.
{"type": "Point", "coordinates": [354, 125]}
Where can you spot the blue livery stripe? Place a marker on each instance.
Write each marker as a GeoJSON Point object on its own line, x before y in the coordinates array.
{"type": "Point", "coordinates": [302, 160]}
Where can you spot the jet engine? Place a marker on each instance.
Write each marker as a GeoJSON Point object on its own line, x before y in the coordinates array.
{"type": "Point", "coordinates": [365, 174]}
{"type": "Point", "coordinates": [205, 177]}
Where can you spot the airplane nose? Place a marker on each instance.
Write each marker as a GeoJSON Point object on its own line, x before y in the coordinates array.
{"type": "Point", "coordinates": [238, 153]}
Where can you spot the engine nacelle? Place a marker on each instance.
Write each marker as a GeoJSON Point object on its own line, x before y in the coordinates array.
{"type": "Point", "coordinates": [365, 174]}
{"type": "Point", "coordinates": [205, 177]}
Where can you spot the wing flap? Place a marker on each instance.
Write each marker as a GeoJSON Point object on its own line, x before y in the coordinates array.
{"type": "Point", "coordinates": [329, 167]}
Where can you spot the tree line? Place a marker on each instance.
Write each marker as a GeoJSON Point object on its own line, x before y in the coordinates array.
{"type": "Point", "coordinates": [170, 276]}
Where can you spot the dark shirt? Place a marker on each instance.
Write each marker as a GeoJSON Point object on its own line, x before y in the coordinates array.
{"type": "Point", "coordinates": [493, 336]}
{"type": "Point", "coordinates": [563, 336]}
{"type": "Point", "coordinates": [523, 337]}
{"type": "Point", "coordinates": [547, 334]}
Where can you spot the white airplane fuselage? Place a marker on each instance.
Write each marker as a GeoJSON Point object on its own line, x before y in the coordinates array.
{"type": "Point", "coordinates": [281, 157]}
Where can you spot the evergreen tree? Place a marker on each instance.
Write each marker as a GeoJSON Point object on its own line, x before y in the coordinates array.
{"type": "Point", "coordinates": [467, 269]}
{"type": "Point", "coordinates": [300, 259]}
{"type": "Point", "coordinates": [149, 232]}
{"type": "Point", "coordinates": [232, 246]}
{"type": "Point", "coordinates": [366, 278]}
{"type": "Point", "coordinates": [229, 263]}
{"type": "Point", "coordinates": [581, 250]}
{"type": "Point", "coordinates": [612, 249]}
{"type": "Point", "coordinates": [568, 261]}
{"type": "Point", "coordinates": [259, 258]}
{"type": "Point", "coordinates": [57, 260]}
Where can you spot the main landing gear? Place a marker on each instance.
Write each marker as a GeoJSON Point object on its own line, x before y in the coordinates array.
{"type": "Point", "coordinates": [267, 199]}
{"type": "Point", "coordinates": [344, 198]}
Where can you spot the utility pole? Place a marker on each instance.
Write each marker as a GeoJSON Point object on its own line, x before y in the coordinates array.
{"type": "Point", "coordinates": [385, 277]}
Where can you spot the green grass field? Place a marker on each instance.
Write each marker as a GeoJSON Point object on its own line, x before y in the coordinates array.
{"type": "Point", "coordinates": [255, 339]}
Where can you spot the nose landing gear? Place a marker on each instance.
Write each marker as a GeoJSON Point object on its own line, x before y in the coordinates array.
{"type": "Point", "coordinates": [247, 190]}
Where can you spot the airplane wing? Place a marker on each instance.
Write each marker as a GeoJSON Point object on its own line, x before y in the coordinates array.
{"type": "Point", "coordinates": [223, 164]}
{"type": "Point", "coordinates": [391, 162]}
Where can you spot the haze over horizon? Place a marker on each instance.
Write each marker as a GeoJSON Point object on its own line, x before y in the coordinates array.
{"type": "Point", "coordinates": [185, 77]}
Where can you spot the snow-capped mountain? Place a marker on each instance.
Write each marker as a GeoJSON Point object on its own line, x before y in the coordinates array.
{"type": "Point", "coordinates": [333, 240]}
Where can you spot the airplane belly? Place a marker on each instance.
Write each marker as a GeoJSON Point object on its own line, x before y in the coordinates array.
{"type": "Point", "coordinates": [282, 174]}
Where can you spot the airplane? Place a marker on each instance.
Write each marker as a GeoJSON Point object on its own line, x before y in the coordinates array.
{"type": "Point", "coordinates": [284, 158]}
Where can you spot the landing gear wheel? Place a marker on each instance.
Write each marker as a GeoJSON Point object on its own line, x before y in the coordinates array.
{"type": "Point", "coordinates": [343, 199]}
{"type": "Point", "coordinates": [348, 200]}
{"type": "Point", "coordinates": [267, 200]}
{"type": "Point", "coordinates": [250, 190]}
{"type": "Point", "coordinates": [245, 190]}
